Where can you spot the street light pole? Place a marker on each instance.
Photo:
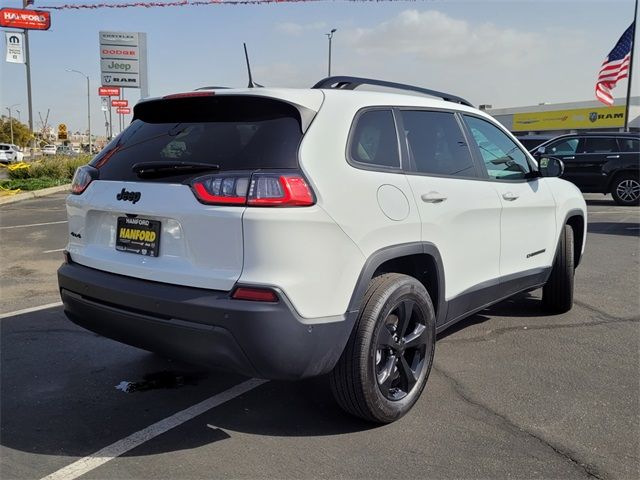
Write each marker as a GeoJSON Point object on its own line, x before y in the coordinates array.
{"type": "Point", "coordinates": [88, 105]}
{"type": "Point", "coordinates": [11, 119]}
{"type": "Point", "coordinates": [330, 37]}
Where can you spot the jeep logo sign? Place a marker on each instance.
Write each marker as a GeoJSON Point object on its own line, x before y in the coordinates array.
{"type": "Point", "coordinates": [123, 60]}
{"type": "Point", "coordinates": [119, 66]}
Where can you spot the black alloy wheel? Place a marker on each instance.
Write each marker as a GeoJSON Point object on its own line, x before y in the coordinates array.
{"type": "Point", "coordinates": [401, 350]}
{"type": "Point", "coordinates": [386, 362]}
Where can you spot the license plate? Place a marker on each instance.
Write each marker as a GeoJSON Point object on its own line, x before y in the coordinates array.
{"type": "Point", "coordinates": [138, 235]}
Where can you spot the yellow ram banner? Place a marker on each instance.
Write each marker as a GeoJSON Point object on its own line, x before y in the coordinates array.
{"type": "Point", "coordinates": [580, 118]}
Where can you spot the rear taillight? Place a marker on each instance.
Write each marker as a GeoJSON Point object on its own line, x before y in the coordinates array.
{"type": "Point", "coordinates": [257, 190]}
{"type": "Point", "coordinates": [82, 178]}
{"type": "Point", "coordinates": [254, 294]}
{"type": "Point", "coordinates": [221, 189]}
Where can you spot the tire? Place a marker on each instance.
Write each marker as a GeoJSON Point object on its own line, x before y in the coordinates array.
{"type": "Point", "coordinates": [557, 293]}
{"type": "Point", "coordinates": [625, 189]}
{"type": "Point", "coordinates": [382, 373]}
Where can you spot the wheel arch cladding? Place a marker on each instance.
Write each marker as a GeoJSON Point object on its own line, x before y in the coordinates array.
{"type": "Point", "coordinates": [420, 260]}
{"type": "Point", "coordinates": [576, 222]}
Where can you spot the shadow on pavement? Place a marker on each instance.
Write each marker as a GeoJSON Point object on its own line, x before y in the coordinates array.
{"type": "Point", "coordinates": [523, 305]}
{"type": "Point", "coordinates": [626, 229]}
{"type": "Point", "coordinates": [65, 391]}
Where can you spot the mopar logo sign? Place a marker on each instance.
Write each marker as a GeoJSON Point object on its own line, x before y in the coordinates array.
{"type": "Point", "coordinates": [593, 116]}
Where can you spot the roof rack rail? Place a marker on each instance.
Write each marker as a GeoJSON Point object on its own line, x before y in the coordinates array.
{"type": "Point", "coordinates": [351, 83]}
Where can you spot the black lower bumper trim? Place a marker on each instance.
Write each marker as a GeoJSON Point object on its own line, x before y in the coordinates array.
{"type": "Point", "coordinates": [258, 339]}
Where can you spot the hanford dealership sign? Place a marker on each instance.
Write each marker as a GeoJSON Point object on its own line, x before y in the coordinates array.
{"type": "Point", "coordinates": [573, 119]}
{"type": "Point", "coordinates": [123, 60]}
{"type": "Point", "coordinates": [27, 19]}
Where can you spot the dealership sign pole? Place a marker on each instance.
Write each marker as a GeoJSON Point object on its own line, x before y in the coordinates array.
{"type": "Point", "coordinates": [27, 20]}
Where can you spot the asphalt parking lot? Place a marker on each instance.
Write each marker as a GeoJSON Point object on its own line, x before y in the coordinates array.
{"type": "Point", "coordinates": [513, 393]}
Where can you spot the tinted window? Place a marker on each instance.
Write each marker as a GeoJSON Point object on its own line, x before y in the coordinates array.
{"type": "Point", "coordinates": [374, 139]}
{"type": "Point", "coordinates": [629, 145]}
{"type": "Point", "coordinates": [600, 145]}
{"type": "Point", "coordinates": [235, 133]}
{"type": "Point", "coordinates": [436, 143]}
{"type": "Point", "coordinates": [503, 159]}
{"type": "Point", "coordinates": [565, 147]}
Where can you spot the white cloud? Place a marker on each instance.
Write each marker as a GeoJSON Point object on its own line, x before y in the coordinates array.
{"type": "Point", "coordinates": [434, 36]}
{"type": "Point", "coordinates": [291, 28]}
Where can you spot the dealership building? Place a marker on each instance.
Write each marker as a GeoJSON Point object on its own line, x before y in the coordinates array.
{"type": "Point", "coordinates": [560, 118]}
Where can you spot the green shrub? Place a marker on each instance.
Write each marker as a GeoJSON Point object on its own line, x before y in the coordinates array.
{"type": "Point", "coordinates": [32, 183]}
{"type": "Point", "coordinates": [54, 167]}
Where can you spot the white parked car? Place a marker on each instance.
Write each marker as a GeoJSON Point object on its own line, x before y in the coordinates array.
{"type": "Point", "coordinates": [49, 150]}
{"type": "Point", "coordinates": [284, 233]}
{"type": "Point", "coordinates": [10, 153]}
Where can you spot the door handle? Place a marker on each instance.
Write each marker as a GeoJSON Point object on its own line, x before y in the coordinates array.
{"type": "Point", "coordinates": [510, 196]}
{"type": "Point", "coordinates": [433, 197]}
{"type": "Point", "coordinates": [613, 156]}
{"type": "Point", "coordinates": [569, 158]}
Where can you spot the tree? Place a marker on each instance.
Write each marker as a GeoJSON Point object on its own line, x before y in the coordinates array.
{"type": "Point", "coordinates": [21, 133]}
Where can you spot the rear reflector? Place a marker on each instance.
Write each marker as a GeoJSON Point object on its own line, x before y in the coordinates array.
{"type": "Point", "coordinates": [255, 294]}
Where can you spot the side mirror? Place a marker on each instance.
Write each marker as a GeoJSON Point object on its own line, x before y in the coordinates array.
{"type": "Point", "coordinates": [551, 167]}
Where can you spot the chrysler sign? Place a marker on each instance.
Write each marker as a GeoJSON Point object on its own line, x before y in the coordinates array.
{"type": "Point", "coordinates": [123, 60]}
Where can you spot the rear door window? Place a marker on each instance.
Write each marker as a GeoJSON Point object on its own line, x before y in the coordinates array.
{"type": "Point", "coordinates": [374, 140]}
{"type": "Point", "coordinates": [227, 132]}
{"type": "Point", "coordinates": [601, 145]}
{"type": "Point", "coordinates": [436, 144]}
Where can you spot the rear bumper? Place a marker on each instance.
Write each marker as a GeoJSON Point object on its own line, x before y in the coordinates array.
{"type": "Point", "coordinates": [265, 340]}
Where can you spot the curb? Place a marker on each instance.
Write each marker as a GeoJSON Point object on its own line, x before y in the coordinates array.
{"type": "Point", "coordinates": [34, 194]}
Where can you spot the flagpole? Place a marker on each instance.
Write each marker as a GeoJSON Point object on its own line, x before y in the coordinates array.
{"type": "Point", "coordinates": [633, 45]}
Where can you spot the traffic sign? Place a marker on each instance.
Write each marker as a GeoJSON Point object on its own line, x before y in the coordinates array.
{"type": "Point", "coordinates": [109, 91]}
{"type": "Point", "coordinates": [27, 19]}
{"type": "Point", "coordinates": [123, 111]}
{"type": "Point", "coordinates": [62, 132]}
{"type": "Point", "coordinates": [119, 103]}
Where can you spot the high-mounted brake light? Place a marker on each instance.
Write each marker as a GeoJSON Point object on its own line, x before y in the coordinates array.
{"type": "Point", "coordinates": [82, 178]}
{"type": "Point", "coordinates": [188, 95]}
{"type": "Point", "coordinates": [259, 190]}
{"type": "Point", "coordinates": [254, 294]}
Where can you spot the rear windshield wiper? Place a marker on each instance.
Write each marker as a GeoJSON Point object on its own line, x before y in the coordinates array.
{"type": "Point", "coordinates": [171, 168]}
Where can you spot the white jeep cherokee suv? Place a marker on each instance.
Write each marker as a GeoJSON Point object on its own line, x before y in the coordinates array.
{"type": "Point", "coordinates": [288, 233]}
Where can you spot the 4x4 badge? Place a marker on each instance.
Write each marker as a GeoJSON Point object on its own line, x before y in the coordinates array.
{"type": "Point", "coordinates": [128, 196]}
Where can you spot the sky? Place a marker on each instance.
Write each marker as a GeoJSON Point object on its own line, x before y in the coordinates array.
{"type": "Point", "coordinates": [503, 53]}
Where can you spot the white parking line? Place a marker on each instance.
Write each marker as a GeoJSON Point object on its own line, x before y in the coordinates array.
{"type": "Point", "coordinates": [56, 250]}
{"type": "Point", "coordinates": [134, 440]}
{"type": "Point", "coordinates": [29, 310]}
{"type": "Point", "coordinates": [33, 225]}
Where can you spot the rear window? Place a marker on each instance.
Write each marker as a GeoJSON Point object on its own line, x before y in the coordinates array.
{"type": "Point", "coordinates": [230, 132]}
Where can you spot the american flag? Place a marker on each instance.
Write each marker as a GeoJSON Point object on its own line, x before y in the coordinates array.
{"type": "Point", "coordinates": [615, 66]}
